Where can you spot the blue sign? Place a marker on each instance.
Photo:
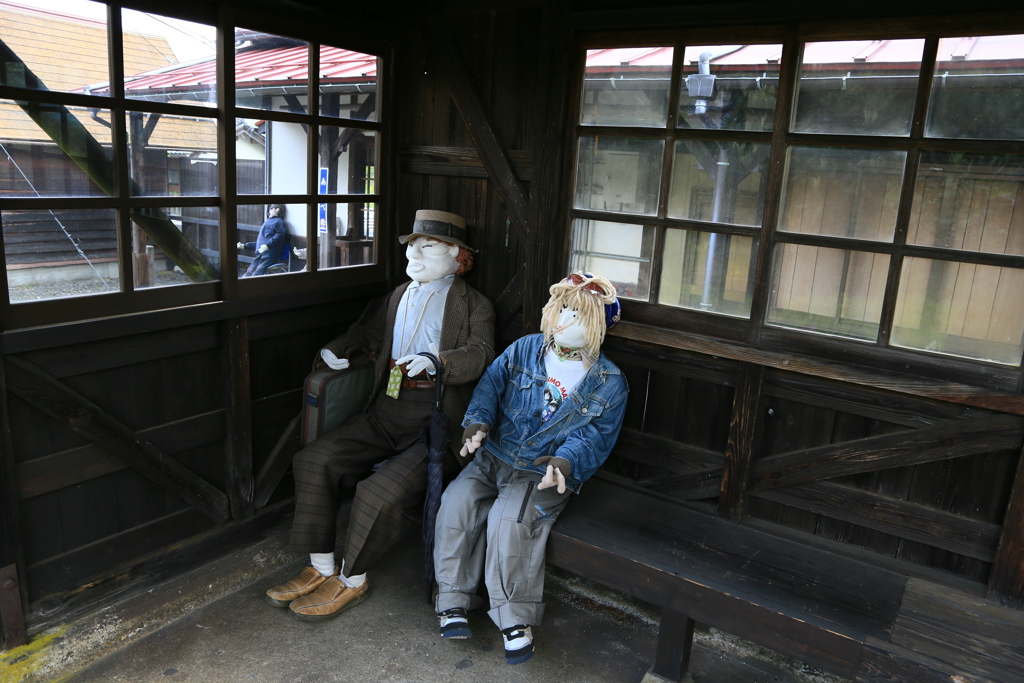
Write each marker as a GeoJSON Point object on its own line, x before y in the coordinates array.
{"type": "Point", "coordinates": [323, 181]}
{"type": "Point", "coordinates": [322, 221]}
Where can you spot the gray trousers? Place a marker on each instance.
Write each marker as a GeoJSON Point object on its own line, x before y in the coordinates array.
{"type": "Point", "coordinates": [494, 523]}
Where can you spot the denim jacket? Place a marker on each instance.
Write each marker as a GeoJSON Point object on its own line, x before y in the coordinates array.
{"type": "Point", "coordinates": [583, 430]}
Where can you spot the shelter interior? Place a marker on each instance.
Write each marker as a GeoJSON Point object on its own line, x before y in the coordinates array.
{"type": "Point", "coordinates": [814, 216]}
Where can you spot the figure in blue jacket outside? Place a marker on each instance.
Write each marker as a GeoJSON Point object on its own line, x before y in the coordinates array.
{"type": "Point", "coordinates": [269, 244]}
{"type": "Point", "coordinates": [543, 418]}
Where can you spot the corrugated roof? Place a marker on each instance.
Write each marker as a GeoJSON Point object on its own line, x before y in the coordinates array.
{"type": "Point", "coordinates": [273, 67]}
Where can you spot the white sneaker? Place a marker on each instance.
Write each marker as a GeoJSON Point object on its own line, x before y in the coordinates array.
{"type": "Point", "coordinates": [518, 643]}
{"type": "Point", "coordinates": [454, 624]}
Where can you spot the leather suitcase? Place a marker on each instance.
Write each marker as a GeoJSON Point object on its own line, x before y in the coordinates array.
{"type": "Point", "coordinates": [333, 396]}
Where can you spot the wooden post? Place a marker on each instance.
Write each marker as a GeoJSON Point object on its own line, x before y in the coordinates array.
{"type": "Point", "coordinates": [1006, 582]}
{"type": "Point", "coordinates": [739, 449]}
{"type": "Point", "coordinates": [238, 403]}
{"type": "Point", "coordinates": [136, 143]}
{"type": "Point", "coordinates": [12, 590]}
{"type": "Point", "coordinates": [675, 641]}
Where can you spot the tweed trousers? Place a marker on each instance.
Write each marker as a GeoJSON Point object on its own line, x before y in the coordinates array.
{"type": "Point", "coordinates": [389, 435]}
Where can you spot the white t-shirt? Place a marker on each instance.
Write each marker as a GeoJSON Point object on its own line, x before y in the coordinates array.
{"type": "Point", "coordinates": [563, 377]}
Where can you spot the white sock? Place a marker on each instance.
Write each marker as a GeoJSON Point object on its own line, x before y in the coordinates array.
{"type": "Point", "coordinates": [323, 563]}
{"type": "Point", "coordinates": [351, 581]}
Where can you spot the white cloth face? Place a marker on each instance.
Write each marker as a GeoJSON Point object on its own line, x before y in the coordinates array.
{"type": "Point", "coordinates": [333, 362]}
{"type": "Point", "coordinates": [569, 333]}
{"type": "Point", "coordinates": [430, 259]}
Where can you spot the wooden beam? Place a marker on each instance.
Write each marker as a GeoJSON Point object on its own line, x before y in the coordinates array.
{"type": "Point", "coordinates": [12, 556]}
{"type": "Point", "coordinates": [510, 301]}
{"type": "Point", "coordinates": [478, 123]}
{"type": "Point", "coordinates": [911, 447]}
{"type": "Point", "coordinates": [664, 453]}
{"type": "Point", "coordinates": [238, 445]}
{"type": "Point", "coordinates": [705, 483]}
{"type": "Point", "coordinates": [84, 418]}
{"type": "Point", "coordinates": [1006, 582]}
{"type": "Point", "coordinates": [844, 372]}
{"type": "Point", "coordinates": [12, 616]}
{"type": "Point", "coordinates": [277, 463]}
{"type": "Point", "coordinates": [952, 532]}
{"type": "Point", "coordinates": [739, 449]}
{"type": "Point", "coordinates": [76, 465]}
{"type": "Point", "coordinates": [460, 162]}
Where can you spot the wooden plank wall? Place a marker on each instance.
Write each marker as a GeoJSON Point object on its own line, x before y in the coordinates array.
{"type": "Point", "coordinates": [85, 515]}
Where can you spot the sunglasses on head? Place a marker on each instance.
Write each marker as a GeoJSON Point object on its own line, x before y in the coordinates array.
{"type": "Point", "coordinates": [592, 287]}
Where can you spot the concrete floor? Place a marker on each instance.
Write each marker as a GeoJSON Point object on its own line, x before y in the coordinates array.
{"type": "Point", "coordinates": [589, 635]}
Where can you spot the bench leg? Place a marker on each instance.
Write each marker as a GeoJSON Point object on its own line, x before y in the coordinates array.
{"type": "Point", "coordinates": [675, 640]}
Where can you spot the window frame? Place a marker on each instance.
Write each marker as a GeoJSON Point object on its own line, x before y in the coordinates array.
{"type": "Point", "coordinates": [754, 331]}
{"type": "Point", "coordinates": [227, 200]}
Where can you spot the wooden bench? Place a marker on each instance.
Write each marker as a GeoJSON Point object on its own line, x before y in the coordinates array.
{"type": "Point", "coordinates": [832, 612]}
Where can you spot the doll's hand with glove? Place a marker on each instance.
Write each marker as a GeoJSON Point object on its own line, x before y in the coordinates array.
{"type": "Point", "coordinates": [262, 249]}
{"type": "Point", "coordinates": [558, 470]}
{"type": "Point", "coordinates": [333, 362]}
{"type": "Point", "coordinates": [241, 245]}
{"type": "Point", "coordinates": [473, 438]}
{"type": "Point", "coordinates": [417, 364]}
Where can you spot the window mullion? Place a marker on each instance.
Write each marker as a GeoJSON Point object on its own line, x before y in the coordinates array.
{"type": "Point", "coordinates": [924, 87]}
{"type": "Point", "coordinates": [785, 100]}
{"type": "Point", "coordinates": [119, 148]}
{"type": "Point", "coordinates": [227, 173]}
{"type": "Point", "coordinates": [313, 155]}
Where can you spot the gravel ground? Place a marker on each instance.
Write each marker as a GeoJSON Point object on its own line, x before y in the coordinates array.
{"type": "Point", "coordinates": [91, 286]}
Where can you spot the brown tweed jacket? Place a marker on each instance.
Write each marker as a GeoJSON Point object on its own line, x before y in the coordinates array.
{"type": "Point", "coordinates": [466, 348]}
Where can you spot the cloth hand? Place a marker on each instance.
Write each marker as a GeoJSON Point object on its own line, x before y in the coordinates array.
{"type": "Point", "coordinates": [417, 363]}
{"type": "Point", "coordinates": [241, 245]}
{"type": "Point", "coordinates": [558, 470]}
{"type": "Point", "coordinates": [262, 249]}
{"type": "Point", "coordinates": [473, 438]}
{"type": "Point", "coordinates": [333, 362]}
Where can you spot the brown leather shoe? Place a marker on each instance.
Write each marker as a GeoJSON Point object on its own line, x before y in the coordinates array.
{"type": "Point", "coordinates": [307, 582]}
{"type": "Point", "coordinates": [329, 600]}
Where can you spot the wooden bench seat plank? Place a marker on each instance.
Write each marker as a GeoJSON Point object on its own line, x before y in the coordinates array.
{"type": "Point", "coordinates": [831, 592]}
{"type": "Point", "coordinates": [789, 634]}
{"type": "Point", "coordinates": [969, 633]}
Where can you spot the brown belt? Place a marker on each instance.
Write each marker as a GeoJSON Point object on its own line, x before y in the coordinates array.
{"type": "Point", "coordinates": [421, 381]}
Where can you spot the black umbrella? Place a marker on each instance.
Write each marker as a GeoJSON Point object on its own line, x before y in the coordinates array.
{"type": "Point", "coordinates": [437, 442]}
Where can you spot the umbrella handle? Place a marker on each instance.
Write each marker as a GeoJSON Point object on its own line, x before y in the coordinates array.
{"type": "Point", "coordinates": [438, 369]}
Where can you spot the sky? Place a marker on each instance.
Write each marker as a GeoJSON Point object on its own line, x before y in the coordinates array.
{"type": "Point", "coordinates": [188, 40]}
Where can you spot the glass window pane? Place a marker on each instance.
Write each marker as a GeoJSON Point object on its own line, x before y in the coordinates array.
{"type": "Point", "coordinates": [858, 87]}
{"type": "Point", "coordinates": [49, 150]}
{"type": "Point", "coordinates": [271, 158]}
{"type": "Point", "coordinates": [961, 309]}
{"type": "Point", "coordinates": [172, 155]}
{"type": "Point", "coordinates": [978, 89]}
{"type": "Point", "coordinates": [188, 70]}
{"type": "Point", "coordinates": [282, 228]}
{"type": "Point", "coordinates": [842, 192]}
{"type": "Point", "coordinates": [737, 90]}
{"type": "Point", "coordinates": [348, 84]}
{"type": "Point", "coordinates": [271, 72]}
{"type": "Point", "coordinates": [60, 253]}
{"type": "Point", "coordinates": [720, 182]}
{"type": "Point", "coordinates": [345, 234]}
{"type": "Point", "coordinates": [627, 87]}
{"type": "Point", "coordinates": [619, 174]}
{"type": "Point", "coordinates": [64, 48]}
{"type": "Point", "coordinates": [973, 202]}
{"type": "Point", "coordinates": [175, 246]}
{"type": "Point", "coordinates": [832, 291]}
{"type": "Point", "coordinates": [724, 287]}
{"type": "Point", "coordinates": [620, 252]}
{"type": "Point", "coordinates": [348, 161]}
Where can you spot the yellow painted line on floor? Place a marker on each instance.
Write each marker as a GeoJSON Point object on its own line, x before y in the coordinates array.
{"type": "Point", "coordinates": [17, 664]}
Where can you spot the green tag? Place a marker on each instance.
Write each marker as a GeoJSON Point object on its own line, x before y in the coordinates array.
{"type": "Point", "coordinates": [394, 382]}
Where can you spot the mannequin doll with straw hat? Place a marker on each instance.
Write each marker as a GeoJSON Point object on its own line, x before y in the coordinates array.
{"type": "Point", "coordinates": [542, 419]}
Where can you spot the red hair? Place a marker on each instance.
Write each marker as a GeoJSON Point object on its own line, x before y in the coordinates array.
{"type": "Point", "coordinates": [465, 260]}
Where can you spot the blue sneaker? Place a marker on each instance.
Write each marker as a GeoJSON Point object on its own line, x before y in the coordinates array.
{"type": "Point", "coordinates": [454, 624]}
{"type": "Point", "coordinates": [518, 643]}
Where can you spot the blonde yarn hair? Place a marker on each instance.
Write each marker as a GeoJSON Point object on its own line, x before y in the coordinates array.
{"type": "Point", "coordinates": [588, 295]}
